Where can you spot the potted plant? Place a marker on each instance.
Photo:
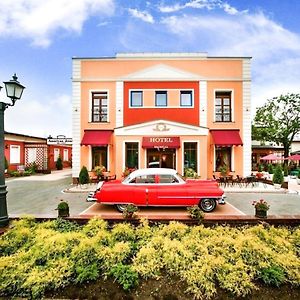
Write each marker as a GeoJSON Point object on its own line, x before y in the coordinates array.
{"type": "Point", "coordinates": [270, 171]}
{"type": "Point", "coordinates": [278, 177]}
{"type": "Point", "coordinates": [63, 209]}
{"type": "Point", "coordinates": [196, 213]}
{"type": "Point", "coordinates": [99, 170]}
{"type": "Point", "coordinates": [129, 211]}
{"type": "Point", "coordinates": [261, 208]}
{"type": "Point", "coordinates": [190, 173]}
{"type": "Point", "coordinates": [224, 170]}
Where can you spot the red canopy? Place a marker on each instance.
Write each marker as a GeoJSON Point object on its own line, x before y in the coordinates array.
{"type": "Point", "coordinates": [96, 137]}
{"type": "Point", "coordinates": [294, 157]}
{"type": "Point", "coordinates": [225, 138]}
{"type": "Point", "coordinates": [271, 157]}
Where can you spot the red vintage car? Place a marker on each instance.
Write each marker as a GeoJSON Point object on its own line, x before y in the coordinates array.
{"type": "Point", "coordinates": [158, 187]}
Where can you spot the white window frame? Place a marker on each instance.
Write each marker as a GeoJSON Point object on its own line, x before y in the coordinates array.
{"type": "Point", "coordinates": [56, 150]}
{"type": "Point", "coordinates": [124, 154]}
{"type": "Point", "coordinates": [15, 158]}
{"type": "Point", "coordinates": [193, 98]}
{"type": "Point", "coordinates": [91, 104]}
{"type": "Point", "coordinates": [198, 154]}
{"type": "Point", "coordinates": [232, 104]}
{"type": "Point", "coordinates": [66, 155]}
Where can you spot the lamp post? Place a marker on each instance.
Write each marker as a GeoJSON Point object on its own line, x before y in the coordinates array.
{"type": "Point", "coordinates": [14, 91]}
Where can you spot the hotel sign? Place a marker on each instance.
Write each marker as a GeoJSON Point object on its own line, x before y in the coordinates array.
{"type": "Point", "coordinates": [161, 142]}
{"type": "Point", "coordinates": [59, 140]}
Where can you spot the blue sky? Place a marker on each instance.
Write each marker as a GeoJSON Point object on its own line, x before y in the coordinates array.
{"type": "Point", "coordinates": [39, 38]}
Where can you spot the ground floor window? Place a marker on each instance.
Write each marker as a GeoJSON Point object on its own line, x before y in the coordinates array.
{"type": "Point", "coordinates": [132, 155]}
{"type": "Point", "coordinates": [223, 158]}
{"type": "Point", "coordinates": [190, 156]}
{"type": "Point", "coordinates": [161, 158]}
{"type": "Point", "coordinates": [56, 154]}
{"type": "Point", "coordinates": [99, 157]}
{"type": "Point", "coordinates": [66, 155]}
{"type": "Point", "coordinates": [15, 154]}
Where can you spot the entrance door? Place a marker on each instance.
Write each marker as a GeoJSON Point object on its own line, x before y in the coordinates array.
{"type": "Point", "coordinates": [99, 157]}
{"type": "Point", "coordinates": [161, 158]}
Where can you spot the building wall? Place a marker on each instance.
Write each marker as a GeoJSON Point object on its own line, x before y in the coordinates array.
{"type": "Point", "coordinates": [204, 75]}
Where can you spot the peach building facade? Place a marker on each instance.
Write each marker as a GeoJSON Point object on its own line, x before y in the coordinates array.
{"type": "Point", "coordinates": [175, 110]}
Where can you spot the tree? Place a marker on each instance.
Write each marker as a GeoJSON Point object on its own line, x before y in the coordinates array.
{"type": "Point", "coordinates": [278, 120]}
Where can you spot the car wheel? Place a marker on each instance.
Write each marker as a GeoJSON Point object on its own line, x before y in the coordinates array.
{"type": "Point", "coordinates": [121, 207]}
{"type": "Point", "coordinates": [207, 204]}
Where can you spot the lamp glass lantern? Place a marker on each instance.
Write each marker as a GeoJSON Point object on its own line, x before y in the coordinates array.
{"type": "Point", "coordinates": [14, 89]}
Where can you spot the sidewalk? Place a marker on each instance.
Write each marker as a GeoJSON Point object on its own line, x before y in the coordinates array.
{"type": "Point", "coordinates": [259, 187]}
{"type": "Point", "coordinates": [55, 175]}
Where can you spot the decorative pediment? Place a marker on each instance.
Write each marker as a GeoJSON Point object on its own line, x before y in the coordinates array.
{"type": "Point", "coordinates": [162, 72]}
{"type": "Point", "coordinates": [161, 128]}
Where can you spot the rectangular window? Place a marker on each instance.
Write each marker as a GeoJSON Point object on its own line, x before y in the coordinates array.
{"type": "Point", "coordinates": [223, 107]}
{"type": "Point", "coordinates": [15, 154]}
{"type": "Point", "coordinates": [56, 154]}
{"type": "Point", "coordinates": [132, 155]}
{"type": "Point", "coordinates": [161, 98]}
{"type": "Point", "coordinates": [66, 155]}
{"type": "Point", "coordinates": [136, 98]}
{"type": "Point", "coordinates": [99, 107]}
{"type": "Point", "coordinates": [190, 156]}
{"type": "Point", "coordinates": [186, 98]}
{"type": "Point", "coordinates": [223, 159]}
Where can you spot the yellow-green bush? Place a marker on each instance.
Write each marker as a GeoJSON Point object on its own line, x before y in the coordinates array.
{"type": "Point", "coordinates": [36, 257]}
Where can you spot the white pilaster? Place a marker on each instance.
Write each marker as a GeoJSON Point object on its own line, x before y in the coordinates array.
{"type": "Point", "coordinates": [203, 103]}
{"type": "Point", "coordinates": [76, 108]}
{"type": "Point", "coordinates": [247, 116]}
{"type": "Point", "coordinates": [119, 103]}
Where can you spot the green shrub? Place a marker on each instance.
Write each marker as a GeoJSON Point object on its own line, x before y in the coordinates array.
{"type": "Point", "coordinates": [270, 169]}
{"type": "Point", "coordinates": [190, 173]}
{"type": "Point", "coordinates": [125, 276]}
{"type": "Point", "coordinates": [260, 168]}
{"type": "Point", "coordinates": [278, 176]}
{"type": "Point", "coordinates": [273, 275]}
{"type": "Point", "coordinates": [87, 273]}
{"type": "Point", "coordinates": [84, 176]}
{"type": "Point", "coordinates": [59, 163]}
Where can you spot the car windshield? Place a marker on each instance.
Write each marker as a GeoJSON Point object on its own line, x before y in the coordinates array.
{"type": "Point", "coordinates": [131, 178]}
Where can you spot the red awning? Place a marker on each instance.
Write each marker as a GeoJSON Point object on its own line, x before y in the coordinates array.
{"type": "Point", "coordinates": [161, 142]}
{"type": "Point", "coordinates": [96, 137]}
{"type": "Point", "coordinates": [226, 137]}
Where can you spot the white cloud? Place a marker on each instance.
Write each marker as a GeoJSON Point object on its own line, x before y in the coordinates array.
{"type": "Point", "coordinates": [200, 4]}
{"type": "Point", "coordinates": [245, 34]}
{"type": "Point", "coordinates": [39, 20]}
{"type": "Point", "coordinates": [143, 15]}
{"type": "Point", "coordinates": [35, 118]}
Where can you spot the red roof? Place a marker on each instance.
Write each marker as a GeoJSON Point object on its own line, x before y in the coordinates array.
{"type": "Point", "coordinates": [226, 137]}
{"type": "Point", "coordinates": [161, 142]}
{"type": "Point", "coordinates": [96, 137]}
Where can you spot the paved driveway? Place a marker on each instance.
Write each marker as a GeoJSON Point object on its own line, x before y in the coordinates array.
{"type": "Point", "coordinates": [39, 195]}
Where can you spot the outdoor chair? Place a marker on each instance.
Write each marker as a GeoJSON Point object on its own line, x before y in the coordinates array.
{"type": "Point", "coordinates": [93, 177]}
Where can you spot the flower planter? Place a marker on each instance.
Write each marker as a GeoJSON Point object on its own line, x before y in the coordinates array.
{"type": "Point", "coordinates": [63, 213]}
{"type": "Point", "coordinates": [260, 213]}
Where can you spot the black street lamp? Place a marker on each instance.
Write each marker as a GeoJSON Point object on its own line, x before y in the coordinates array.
{"type": "Point", "coordinates": [14, 91]}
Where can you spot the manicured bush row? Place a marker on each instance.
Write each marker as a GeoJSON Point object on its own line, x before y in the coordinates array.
{"type": "Point", "coordinates": [40, 257]}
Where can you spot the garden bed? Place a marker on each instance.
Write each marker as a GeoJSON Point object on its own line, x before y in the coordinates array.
{"type": "Point", "coordinates": [60, 259]}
